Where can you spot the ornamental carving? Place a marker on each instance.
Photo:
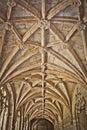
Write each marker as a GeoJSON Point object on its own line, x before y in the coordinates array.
{"type": "Point", "coordinates": [44, 24]}
{"type": "Point", "coordinates": [77, 3]}
{"type": "Point", "coordinates": [11, 4]}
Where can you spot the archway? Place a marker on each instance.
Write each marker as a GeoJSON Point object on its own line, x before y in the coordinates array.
{"type": "Point", "coordinates": [41, 124]}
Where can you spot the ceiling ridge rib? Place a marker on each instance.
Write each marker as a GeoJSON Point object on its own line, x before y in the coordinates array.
{"type": "Point", "coordinates": [71, 32]}
{"type": "Point", "coordinates": [78, 60]}
{"type": "Point", "coordinates": [69, 47]}
{"type": "Point", "coordinates": [62, 95]}
{"type": "Point", "coordinates": [45, 71]}
{"type": "Point", "coordinates": [47, 104]}
{"type": "Point", "coordinates": [82, 27]}
{"type": "Point", "coordinates": [43, 56]}
{"type": "Point", "coordinates": [36, 113]}
{"type": "Point", "coordinates": [29, 7]}
{"type": "Point", "coordinates": [17, 63]}
{"type": "Point", "coordinates": [66, 61]}
{"type": "Point", "coordinates": [3, 39]}
{"type": "Point", "coordinates": [64, 19]}
{"type": "Point", "coordinates": [22, 19]}
{"type": "Point", "coordinates": [46, 114]}
{"type": "Point", "coordinates": [29, 97]}
{"type": "Point", "coordinates": [57, 97]}
{"type": "Point", "coordinates": [8, 59]}
{"type": "Point", "coordinates": [10, 6]}
{"type": "Point", "coordinates": [66, 77]}
{"type": "Point", "coordinates": [30, 32]}
{"type": "Point", "coordinates": [16, 73]}
{"type": "Point", "coordinates": [20, 92]}
{"type": "Point", "coordinates": [58, 7]}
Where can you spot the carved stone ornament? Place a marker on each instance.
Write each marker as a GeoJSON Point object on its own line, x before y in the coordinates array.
{"type": "Point", "coordinates": [80, 102]}
{"type": "Point", "coordinates": [81, 26]}
{"type": "Point", "coordinates": [77, 3]}
{"type": "Point", "coordinates": [8, 26]}
{"type": "Point", "coordinates": [44, 24]}
{"type": "Point", "coordinates": [11, 4]}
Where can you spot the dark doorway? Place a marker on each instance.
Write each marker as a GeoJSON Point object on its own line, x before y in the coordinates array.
{"type": "Point", "coordinates": [42, 124]}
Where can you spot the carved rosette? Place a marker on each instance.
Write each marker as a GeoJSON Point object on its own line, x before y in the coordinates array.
{"type": "Point", "coordinates": [44, 24]}
{"type": "Point", "coordinates": [81, 26]}
{"type": "Point", "coordinates": [67, 46]}
{"type": "Point", "coordinates": [8, 26]}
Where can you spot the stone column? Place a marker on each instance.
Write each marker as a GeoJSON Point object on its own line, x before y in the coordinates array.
{"type": "Point", "coordinates": [28, 123]}
{"type": "Point", "coordinates": [14, 119]}
{"type": "Point", "coordinates": [20, 124]}
{"type": "Point", "coordinates": [56, 127]}
{"type": "Point", "coordinates": [86, 115]}
{"type": "Point", "coordinates": [5, 118]}
{"type": "Point", "coordinates": [23, 120]}
{"type": "Point", "coordinates": [2, 118]}
{"type": "Point", "coordinates": [10, 115]}
{"type": "Point", "coordinates": [9, 119]}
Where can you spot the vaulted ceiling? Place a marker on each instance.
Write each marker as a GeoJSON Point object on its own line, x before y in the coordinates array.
{"type": "Point", "coordinates": [43, 53]}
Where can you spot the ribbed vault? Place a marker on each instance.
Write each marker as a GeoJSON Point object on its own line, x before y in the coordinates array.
{"type": "Point", "coordinates": [43, 55]}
